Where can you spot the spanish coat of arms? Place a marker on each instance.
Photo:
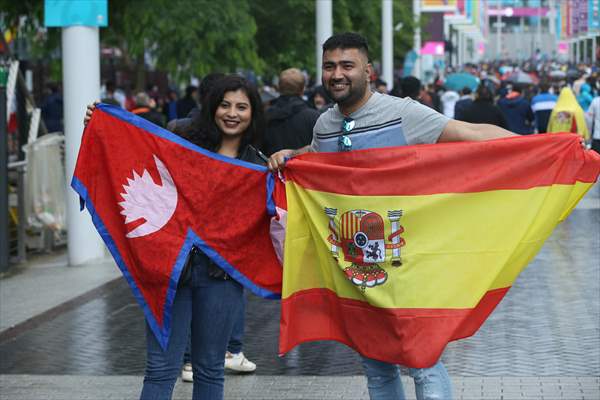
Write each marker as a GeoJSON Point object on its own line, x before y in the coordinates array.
{"type": "Point", "coordinates": [361, 236]}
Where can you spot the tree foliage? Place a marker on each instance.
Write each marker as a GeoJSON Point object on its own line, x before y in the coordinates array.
{"type": "Point", "coordinates": [285, 33]}
{"type": "Point", "coordinates": [194, 37]}
{"type": "Point", "coordinates": [185, 37]}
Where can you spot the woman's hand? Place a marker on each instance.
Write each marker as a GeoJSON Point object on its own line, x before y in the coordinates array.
{"type": "Point", "coordinates": [88, 112]}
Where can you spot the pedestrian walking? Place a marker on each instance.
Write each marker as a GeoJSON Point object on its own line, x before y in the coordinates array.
{"type": "Point", "coordinates": [466, 99]}
{"type": "Point", "coordinates": [517, 111]}
{"type": "Point", "coordinates": [145, 107]}
{"type": "Point", "coordinates": [187, 102]}
{"type": "Point", "coordinates": [362, 119]}
{"type": "Point", "coordinates": [483, 110]}
{"type": "Point", "coordinates": [449, 99]}
{"type": "Point", "coordinates": [290, 120]}
{"type": "Point", "coordinates": [593, 118]}
{"type": "Point", "coordinates": [170, 108]}
{"type": "Point", "coordinates": [567, 115]}
{"type": "Point", "coordinates": [52, 109]}
{"type": "Point", "coordinates": [542, 105]}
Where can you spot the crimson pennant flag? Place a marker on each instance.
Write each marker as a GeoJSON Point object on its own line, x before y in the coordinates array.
{"type": "Point", "coordinates": [152, 196]}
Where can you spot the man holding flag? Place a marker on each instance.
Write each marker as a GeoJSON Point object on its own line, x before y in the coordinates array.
{"type": "Point", "coordinates": [394, 250]}
{"type": "Point", "coordinates": [362, 119]}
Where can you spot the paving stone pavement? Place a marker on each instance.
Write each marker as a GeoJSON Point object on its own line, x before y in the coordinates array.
{"type": "Point", "coordinates": [269, 387]}
{"type": "Point", "coordinates": [44, 282]}
{"type": "Point", "coordinates": [542, 342]}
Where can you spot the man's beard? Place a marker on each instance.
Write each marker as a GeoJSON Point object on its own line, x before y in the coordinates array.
{"type": "Point", "coordinates": [354, 94]}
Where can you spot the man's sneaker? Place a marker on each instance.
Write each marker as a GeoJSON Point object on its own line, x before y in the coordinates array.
{"type": "Point", "coordinates": [187, 374]}
{"type": "Point", "coordinates": [239, 363]}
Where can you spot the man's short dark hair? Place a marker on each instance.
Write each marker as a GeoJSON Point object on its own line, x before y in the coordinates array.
{"type": "Point", "coordinates": [347, 40]}
{"type": "Point", "coordinates": [466, 90]}
{"type": "Point", "coordinates": [190, 90]}
{"type": "Point", "coordinates": [484, 93]}
{"type": "Point", "coordinates": [411, 87]}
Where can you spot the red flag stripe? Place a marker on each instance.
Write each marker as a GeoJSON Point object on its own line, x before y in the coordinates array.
{"type": "Point", "coordinates": [542, 159]}
{"type": "Point", "coordinates": [392, 335]}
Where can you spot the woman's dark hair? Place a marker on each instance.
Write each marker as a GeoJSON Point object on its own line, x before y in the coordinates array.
{"type": "Point", "coordinates": [319, 90]}
{"type": "Point", "coordinates": [207, 134]}
{"type": "Point", "coordinates": [484, 93]}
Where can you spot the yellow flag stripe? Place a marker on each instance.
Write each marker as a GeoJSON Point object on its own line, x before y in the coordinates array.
{"type": "Point", "coordinates": [458, 246]}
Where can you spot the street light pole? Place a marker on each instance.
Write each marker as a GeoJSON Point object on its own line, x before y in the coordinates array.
{"type": "Point", "coordinates": [324, 31]}
{"type": "Point", "coordinates": [4, 247]}
{"type": "Point", "coordinates": [81, 82]}
{"type": "Point", "coordinates": [499, 31]}
{"type": "Point", "coordinates": [387, 41]}
{"type": "Point", "coordinates": [417, 37]}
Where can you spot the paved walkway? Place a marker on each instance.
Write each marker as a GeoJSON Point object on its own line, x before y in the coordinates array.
{"type": "Point", "coordinates": [82, 387]}
{"type": "Point", "coordinates": [76, 333]}
{"type": "Point", "coordinates": [45, 282]}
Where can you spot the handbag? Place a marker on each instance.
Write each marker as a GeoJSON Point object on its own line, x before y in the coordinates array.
{"type": "Point", "coordinates": [212, 270]}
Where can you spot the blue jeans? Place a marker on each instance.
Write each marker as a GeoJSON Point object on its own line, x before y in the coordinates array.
{"type": "Point", "coordinates": [237, 335]}
{"type": "Point", "coordinates": [210, 306]}
{"type": "Point", "coordinates": [383, 381]}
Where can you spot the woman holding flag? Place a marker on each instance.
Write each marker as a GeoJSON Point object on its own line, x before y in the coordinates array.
{"type": "Point", "coordinates": [207, 298]}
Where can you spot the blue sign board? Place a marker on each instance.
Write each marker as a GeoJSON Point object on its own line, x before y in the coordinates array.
{"type": "Point", "coordinates": [594, 15]}
{"type": "Point", "coordinates": [63, 13]}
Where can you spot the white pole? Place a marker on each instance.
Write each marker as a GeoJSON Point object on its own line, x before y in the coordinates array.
{"type": "Point", "coordinates": [324, 30]}
{"type": "Point", "coordinates": [550, 17]}
{"type": "Point", "coordinates": [463, 48]}
{"type": "Point", "coordinates": [81, 83]}
{"type": "Point", "coordinates": [417, 37]}
{"type": "Point", "coordinates": [594, 47]}
{"type": "Point", "coordinates": [499, 32]}
{"type": "Point", "coordinates": [387, 43]}
{"type": "Point", "coordinates": [538, 32]}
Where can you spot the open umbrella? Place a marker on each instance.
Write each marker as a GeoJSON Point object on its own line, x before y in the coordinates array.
{"type": "Point", "coordinates": [573, 73]}
{"type": "Point", "coordinates": [460, 80]}
{"type": "Point", "coordinates": [521, 77]}
{"type": "Point", "coordinates": [557, 73]}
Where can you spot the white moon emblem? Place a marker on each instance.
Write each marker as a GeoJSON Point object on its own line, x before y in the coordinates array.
{"type": "Point", "coordinates": [145, 199]}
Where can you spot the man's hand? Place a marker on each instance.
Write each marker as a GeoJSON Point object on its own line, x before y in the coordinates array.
{"type": "Point", "coordinates": [277, 160]}
{"type": "Point", "coordinates": [88, 112]}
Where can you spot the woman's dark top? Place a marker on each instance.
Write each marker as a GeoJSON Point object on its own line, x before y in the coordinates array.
{"type": "Point", "coordinates": [484, 112]}
{"type": "Point", "coordinates": [249, 154]}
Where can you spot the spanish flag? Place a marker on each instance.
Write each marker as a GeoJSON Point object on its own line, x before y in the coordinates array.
{"type": "Point", "coordinates": [397, 251]}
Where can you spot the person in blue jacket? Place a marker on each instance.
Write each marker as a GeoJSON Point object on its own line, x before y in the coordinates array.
{"type": "Point", "coordinates": [517, 111]}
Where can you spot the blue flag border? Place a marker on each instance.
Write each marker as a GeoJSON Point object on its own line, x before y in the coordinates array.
{"type": "Point", "coordinates": [192, 239]}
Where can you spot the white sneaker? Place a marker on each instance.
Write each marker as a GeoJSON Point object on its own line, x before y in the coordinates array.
{"type": "Point", "coordinates": [239, 363]}
{"type": "Point", "coordinates": [187, 374]}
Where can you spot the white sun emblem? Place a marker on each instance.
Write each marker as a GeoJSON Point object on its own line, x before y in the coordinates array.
{"type": "Point", "coordinates": [145, 199]}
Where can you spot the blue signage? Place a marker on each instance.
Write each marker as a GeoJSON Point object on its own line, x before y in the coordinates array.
{"type": "Point", "coordinates": [594, 15]}
{"type": "Point", "coordinates": [63, 13]}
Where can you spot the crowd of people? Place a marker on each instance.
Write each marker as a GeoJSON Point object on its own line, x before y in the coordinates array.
{"type": "Point", "coordinates": [525, 98]}
{"type": "Point", "coordinates": [230, 116]}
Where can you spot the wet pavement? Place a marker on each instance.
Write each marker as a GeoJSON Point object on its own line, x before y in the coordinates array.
{"type": "Point", "coordinates": [548, 325]}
